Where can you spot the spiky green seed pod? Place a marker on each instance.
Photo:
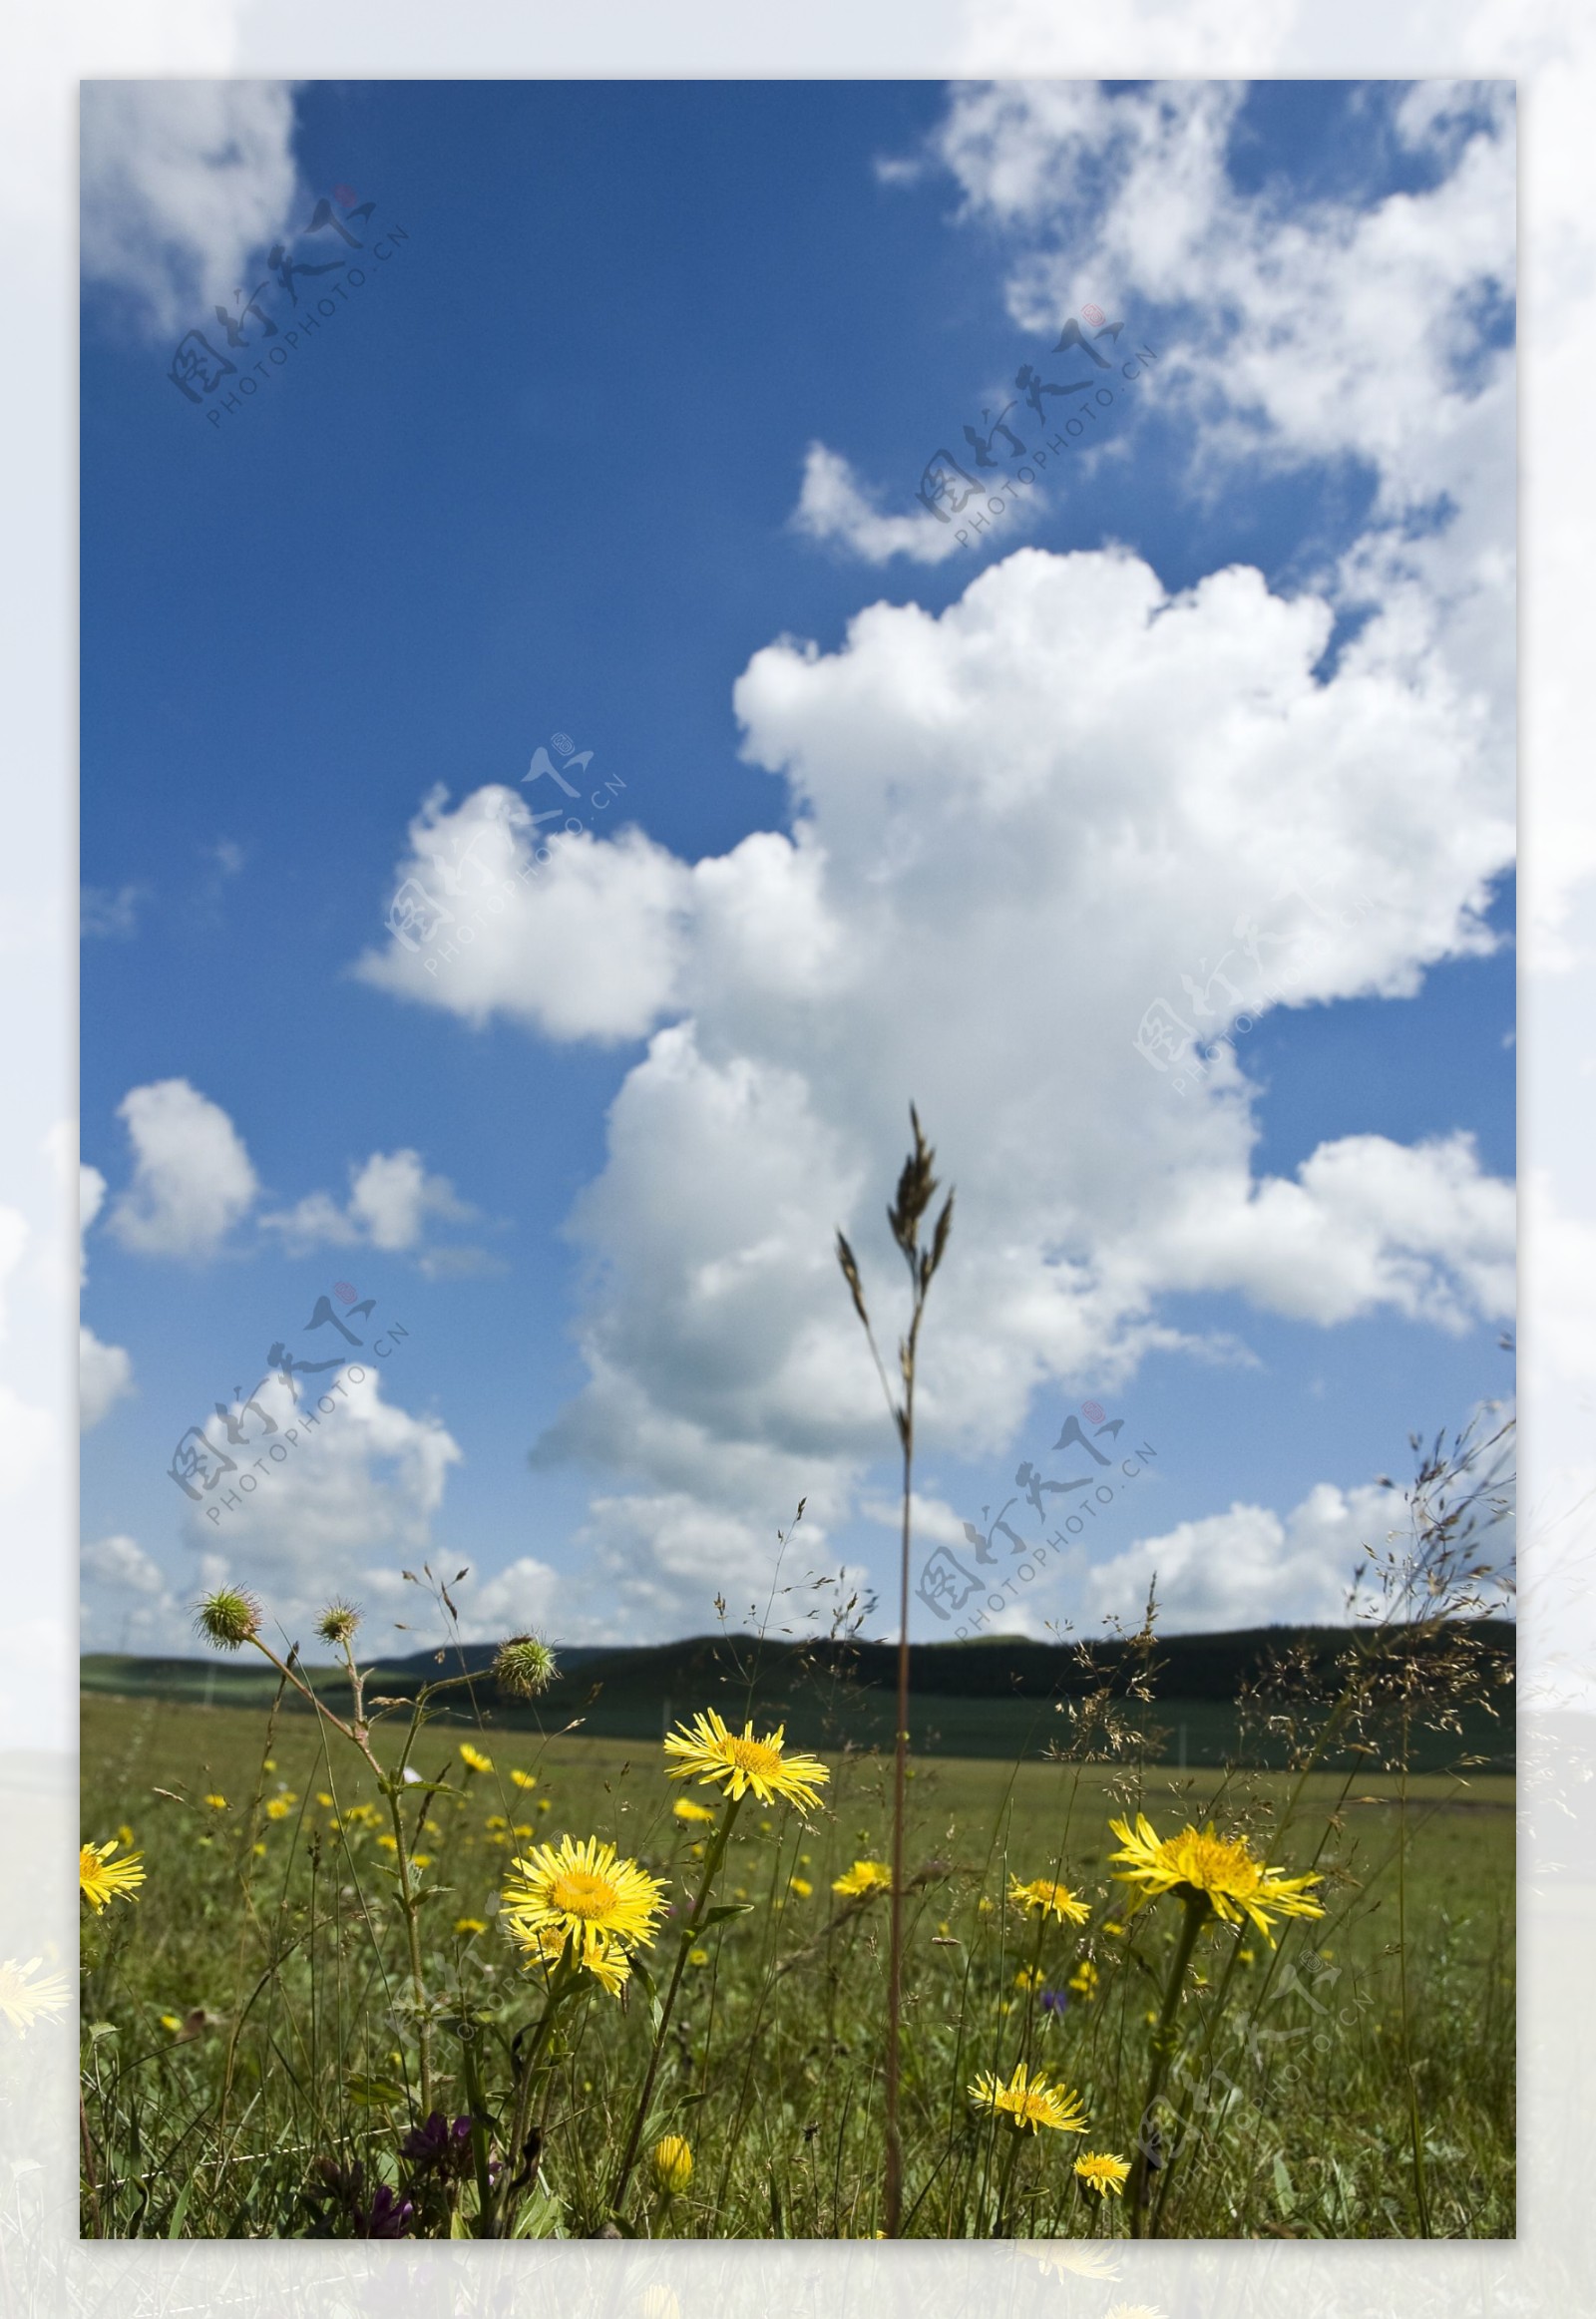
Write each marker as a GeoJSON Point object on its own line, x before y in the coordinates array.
{"type": "Point", "coordinates": [523, 1667]}
{"type": "Point", "coordinates": [338, 1622]}
{"type": "Point", "coordinates": [227, 1618]}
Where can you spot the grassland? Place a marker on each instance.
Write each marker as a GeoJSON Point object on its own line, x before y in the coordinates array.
{"type": "Point", "coordinates": [249, 2030]}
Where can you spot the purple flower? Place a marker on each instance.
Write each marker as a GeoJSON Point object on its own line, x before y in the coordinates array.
{"type": "Point", "coordinates": [341, 2188]}
{"type": "Point", "coordinates": [388, 2215]}
{"type": "Point", "coordinates": [439, 2146]}
{"type": "Point", "coordinates": [1054, 2000]}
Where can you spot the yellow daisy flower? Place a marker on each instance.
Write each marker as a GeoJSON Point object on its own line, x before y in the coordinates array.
{"type": "Point", "coordinates": [1222, 1871]}
{"type": "Point", "coordinates": [697, 1956]}
{"type": "Point", "coordinates": [280, 1806]}
{"type": "Point", "coordinates": [689, 1814]}
{"type": "Point", "coordinates": [469, 1924]}
{"type": "Point", "coordinates": [864, 1876]}
{"type": "Point", "coordinates": [800, 1887]}
{"type": "Point", "coordinates": [1083, 1979]}
{"type": "Point", "coordinates": [1029, 2102]}
{"type": "Point", "coordinates": [473, 1758]}
{"type": "Point", "coordinates": [171, 2022]}
{"type": "Point", "coordinates": [24, 1999]}
{"type": "Point", "coordinates": [100, 1878]}
{"type": "Point", "coordinates": [125, 1838]}
{"type": "Point", "coordinates": [216, 1802]}
{"type": "Point", "coordinates": [1028, 1977]}
{"type": "Point", "coordinates": [1103, 2173]}
{"type": "Point", "coordinates": [707, 1751]}
{"type": "Point", "coordinates": [524, 1778]}
{"type": "Point", "coordinates": [596, 1902]}
{"type": "Point", "coordinates": [1051, 1898]}
{"type": "Point", "coordinates": [670, 2162]}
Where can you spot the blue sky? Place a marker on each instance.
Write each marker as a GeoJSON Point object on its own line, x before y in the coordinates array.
{"type": "Point", "coordinates": [617, 445]}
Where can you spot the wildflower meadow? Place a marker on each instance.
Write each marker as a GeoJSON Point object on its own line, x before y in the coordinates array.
{"type": "Point", "coordinates": [372, 1966]}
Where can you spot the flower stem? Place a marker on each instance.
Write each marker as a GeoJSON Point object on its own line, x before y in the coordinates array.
{"type": "Point", "coordinates": [407, 1903]}
{"type": "Point", "coordinates": [713, 1855]}
{"type": "Point", "coordinates": [999, 2220]}
{"type": "Point", "coordinates": [562, 1985]}
{"type": "Point", "coordinates": [1163, 2053]}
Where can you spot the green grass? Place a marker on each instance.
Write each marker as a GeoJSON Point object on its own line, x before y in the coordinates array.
{"type": "Point", "coordinates": [1309, 2108]}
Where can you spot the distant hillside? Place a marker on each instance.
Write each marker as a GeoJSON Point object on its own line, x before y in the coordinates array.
{"type": "Point", "coordinates": [999, 1695]}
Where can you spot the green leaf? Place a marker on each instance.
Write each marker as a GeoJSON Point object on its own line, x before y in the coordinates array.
{"type": "Point", "coordinates": [174, 2226]}
{"type": "Point", "coordinates": [374, 2092]}
{"type": "Point", "coordinates": [1283, 2188]}
{"type": "Point", "coordinates": [726, 1908]}
{"type": "Point", "coordinates": [650, 1989]}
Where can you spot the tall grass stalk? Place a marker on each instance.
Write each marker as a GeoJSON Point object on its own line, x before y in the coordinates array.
{"type": "Point", "coordinates": [917, 1185]}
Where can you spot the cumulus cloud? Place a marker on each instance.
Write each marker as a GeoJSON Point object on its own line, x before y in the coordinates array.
{"type": "Point", "coordinates": [192, 1176]}
{"type": "Point", "coordinates": [104, 1376]}
{"type": "Point", "coordinates": [184, 183]}
{"type": "Point", "coordinates": [128, 1601]}
{"type": "Point", "coordinates": [105, 1371]}
{"type": "Point", "coordinates": [1016, 827]}
{"type": "Point", "coordinates": [835, 507]}
{"type": "Point", "coordinates": [1248, 1567]}
{"type": "Point", "coordinates": [391, 1197]}
{"type": "Point", "coordinates": [573, 935]}
{"type": "Point", "coordinates": [351, 1500]}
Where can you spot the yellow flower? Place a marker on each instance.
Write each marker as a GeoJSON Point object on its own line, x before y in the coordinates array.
{"type": "Point", "coordinates": [469, 1924]}
{"type": "Point", "coordinates": [280, 1806]}
{"type": "Point", "coordinates": [671, 2161]}
{"type": "Point", "coordinates": [864, 1876]}
{"type": "Point", "coordinates": [270, 1764]}
{"type": "Point", "coordinates": [598, 1905]}
{"type": "Point", "coordinates": [495, 1819]}
{"type": "Point", "coordinates": [1117, 1930]}
{"type": "Point", "coordinates": [1051, 1898]}
{"type": "Point", "coordinates": [323, 1799]}
{"type": "Point", "coordinates": [170, 2022]}
{"type": "Point", "coordinates": [1028, 1977]}
{"type": "Point", "coordinates": [473, 1758]}
{"type": "Point", "coordinates": [389, 1843]}
{"type": "Point", "coordinates": [24, 1999]}
{"type": "Point", "coordinates": [1083, 1979]}
{"type": "Point", "coordinates": [1100, 2173]}
{"type": "Point", "coordinates": [125, 1838]}
{"type": "Point", "coordinates": [984, 1908]}
{"type": "Point", "coordinates": [523, 1827]}
{"type": "Point", "coordinates": [542, 1804]}
{"type": "Point", "coordinates": [216, 1802]}
{"type": "Point", "coordinates": [1220, 1871]}
{"type": "Point", "coordinates": [259, 1851]}
{"type": "Point", "coordinates": [691, 1813]}
{"type": "Point", "coordinates": [697, 1956]}
{"type": "Point", "coordinates": [524, 1778]}
{"type": "Point", "coordinates": [800, 1887]}
{"type": "Point", "coordinates": [710, 1753]}
{"type": "Point", "coordinates": [1029, 2102]}
{"type": "Point", "coordinates": [100, 1878]}
{"type": "Point", "coordinates": [421, 1859]}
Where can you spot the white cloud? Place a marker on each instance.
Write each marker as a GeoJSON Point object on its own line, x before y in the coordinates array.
{"type": "Point", "coordinates": [836, 507]}
{"type": "Point", "coordinates": [583, 943]}
{"type": "Point", "coordinates": [1015, 826]}
{"type": "Point", "coordinates": [104, 1376]}
{"type": "Point", "coordinates": [191, 1181]}
{"type": "Point", "coordinates": [105, 1371]}
{"type": "Point", "coordinates": [1248, 1567]}
{"type": "Point", "coordinates": [391, 1196]}
{"type": "Point", "coordinates": [121, 1562]}
{"type": "Point", "coordinates": [103, 913]}
{"type": "Point", "coordinates": [184, 184]}
{"type": "Point", "coordinates": [352, 1497]}
{"type": "Point", "coordinates": [128, 1603]}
